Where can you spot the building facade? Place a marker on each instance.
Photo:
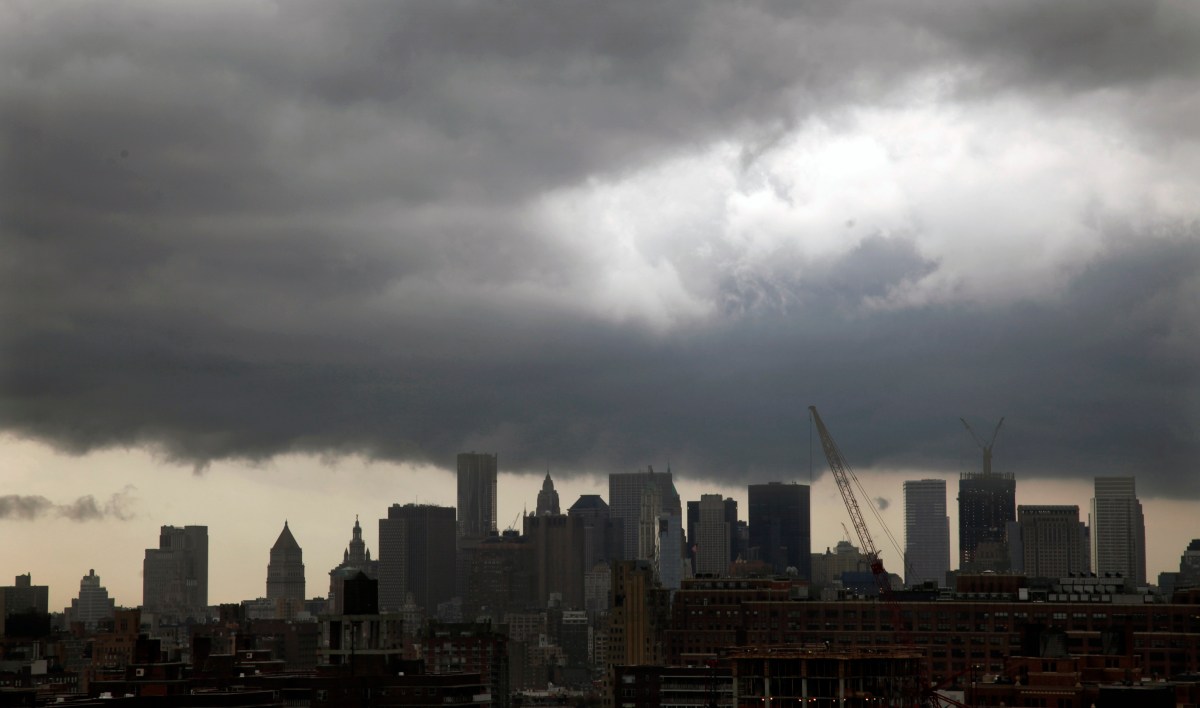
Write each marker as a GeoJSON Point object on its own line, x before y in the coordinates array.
{"type": "Point", "coordinates": [987, 503]}
{"type": "Point", "coordinates": [602, 537]}
{"type": "Point", "coordinates": [285, 570]}
{"type": "Point", "coordinates": [175, 575]}
{"type": "Point", "coordinates": [476, 495]}
{"type": "Point", "coordinates": [780, 526]}
{"type": "Point", "coordinates": [712, 536]}
{"type": "Point", "coordinates": [93, 605]}
{"type": "Point", "coordinates": [1118, 529]}
{"type": "Point", "coordinates": [926, 532]}
{"type": "Point", "coordinates": [1053, 542]}
{"type": "Point", "coordinates": [558, 542]}
{"type": "Point", "coordinates": [626, 491]}
{"type": "Point", "coordinates": [417, 553]}
{"type": "Point", "coordinates": [547, 498]}
{"type": "Point", "coordinates": [355, 559]}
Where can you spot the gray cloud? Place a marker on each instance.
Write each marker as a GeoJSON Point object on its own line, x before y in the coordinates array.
{"type": "Point", "coordinates": [86, 508]}
{"type": "Point", "coordinates": [229, 234]}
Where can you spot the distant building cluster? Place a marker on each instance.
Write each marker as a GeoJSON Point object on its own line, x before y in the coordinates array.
{"type": "Point", "coordinates": [640, 599]}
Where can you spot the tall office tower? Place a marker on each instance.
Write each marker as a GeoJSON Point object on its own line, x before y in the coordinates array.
{"type": "Point", "coordinates": [987, 502]}
{"type": "Point", "coordinates": [926, 532]}
{"type": "Point", "coordinates": [779, 526]}
{"type": "Point", "coordinates": [417, 554]}
{"type": "Point", "coordinates": [285, 571]}
{"type": "Point", "coordinates": [712, 536]}
{"type": "Point", "coordinates": [1118, 530]}
{"type": "Point", "coordinates": [476, 495]}
{"type": "Point", "coordinates": [175, 575]}
{"type": "Point", "coordinates": [668, 556]}
{"type": "Point", "coordinates": [1053, 542]}
{"type": "Point", "coordinates": [601, 536]}
{"type": "Point", "coordinates": [93, 605]}
{"type": "Point", "coordinates": [736, 530]}
{"type": "Point", "coordinates": [547, 499]}
{"type": "Point", "coordinates": [558, 542]}
{"type": "Point", "coordinates": [355, 559]}
{"type": "Point", "coordinates": [625, 504]}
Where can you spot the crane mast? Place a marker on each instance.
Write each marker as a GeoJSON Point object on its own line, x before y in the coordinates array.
{"type": "Point", "coordinates": [843, 475]}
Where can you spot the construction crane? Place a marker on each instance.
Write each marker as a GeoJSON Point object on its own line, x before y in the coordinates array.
{"type": "Point", "coordinates": [847, 481]}
{"type": "Point", "coordinates": [987, 449]}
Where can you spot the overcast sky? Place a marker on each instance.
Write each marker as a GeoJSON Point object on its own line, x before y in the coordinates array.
{"type": "Point", "coordinates": [592, 236]}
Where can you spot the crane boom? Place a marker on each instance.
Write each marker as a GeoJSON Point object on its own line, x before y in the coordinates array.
{"type": "Point", "coordinates": [845, 479]}
{"type": "Point", "coordinates": [842, 474]}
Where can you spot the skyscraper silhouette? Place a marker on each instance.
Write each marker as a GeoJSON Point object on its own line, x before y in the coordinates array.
{"type": "Point", "coordinates": [285, 571]}
{"type": "Point", "coordinates": [547, 498]}
{"type": "Point", "coordinates": [926, 532]}
{"type": "Point", "coordinates": [417, 554]}
{"type": "Point", "coordinates": [175, 575]}
{"type": "Point", "coordinates": [779, 526]}
{"type": "Point", "coordinates": [1118, 529]}
{"type": "Point", "coordinates": [626, 493]}
{"type": "Point", "coordinates": [476, 495]}
{"type": "Point", "coordinates": [1052, 543]}
{"type": "Point", "coordinates": [712, 536]}
{"type": "Point", "coordinates": [987, 502]}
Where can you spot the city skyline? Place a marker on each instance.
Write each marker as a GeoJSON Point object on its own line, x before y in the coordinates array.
{"type": "Point", "coordinates": [238, 562]}
{"type": "Point", "coordinates": [284, 261]}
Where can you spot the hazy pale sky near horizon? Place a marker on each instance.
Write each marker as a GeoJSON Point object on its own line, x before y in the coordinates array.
{"type": "Point", "coordinates": [239, 238]}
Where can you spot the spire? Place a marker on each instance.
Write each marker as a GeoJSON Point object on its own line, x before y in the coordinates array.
{"type": "Point", "coordinates": [547, 499]}
{"type": "Point", "coordinates": [286, 540]}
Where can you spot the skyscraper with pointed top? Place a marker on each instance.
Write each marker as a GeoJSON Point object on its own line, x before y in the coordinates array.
{"type": "Point", "coordinates": [547, 499]}
{"type": "Point", "coordinates": [285, 571]}
{"type": "Point", "coordinates": [355, 559]}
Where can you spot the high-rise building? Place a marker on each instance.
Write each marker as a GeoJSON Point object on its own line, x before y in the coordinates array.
{"type": "Point", "coordinates": [1052, 540]}
{"type": "Point", "coordinates": [712, 536]}
{"type": "Point", "coordinates": [547, 499]}
{"type": "Point", "coordinates": [1118, 530]}
{"type": "Point", "coordinates": [639, 616]}
{"type": "Point", "coordinates": [558, 542]}
{"type": "Point", "coordinates": [987, 502]}
{"type": "Point", "coordinates": [416, 555]}
{"type": "Point", "coordinates": [476, 495]}
{"type": "Point", "coordinates": [926, 532]}
{"type": "Point", "coordinates": [779, 526]}
{"type": "Point", "coordinates": [602, 538]}
{"type": "Point", "coordinates": [355, 559]}
{"type": "Point", "coordinates": [285, 571]}
{"type": "Point", "coordinates": [175, 575]}
{"type": "Point", "coordinates": [739, 533]}
{"type": "Point", "coordinates": [93, 605]}
{"type": "Point", "coordinates": [626, 493]}
{"type": "Point", "coordinates": [668, 559]}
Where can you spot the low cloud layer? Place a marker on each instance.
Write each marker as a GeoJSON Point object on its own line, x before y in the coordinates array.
{"type": "Point", "coordinates": [602, 237]}
{"type": "Point", "coordinates": [18, 507]}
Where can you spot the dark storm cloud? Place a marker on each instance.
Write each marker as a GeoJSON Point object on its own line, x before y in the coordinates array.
{"type": "Point", "coordinates": [86, 508]}
{"type": "Point", "coordinates": [229, 233]}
